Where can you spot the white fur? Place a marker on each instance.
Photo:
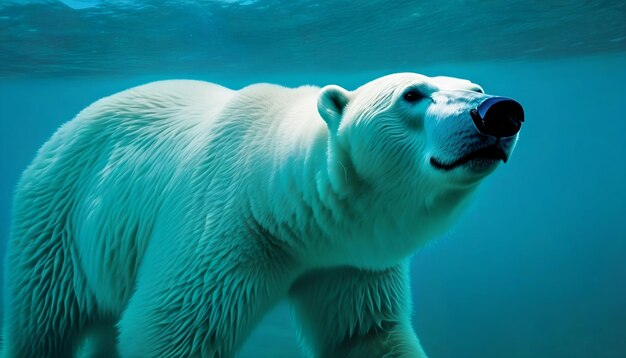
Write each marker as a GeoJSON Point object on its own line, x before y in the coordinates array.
{"type": "Point", "coordinates": [181, 211]}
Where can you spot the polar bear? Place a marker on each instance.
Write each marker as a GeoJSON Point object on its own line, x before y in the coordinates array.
{"type": "Point", "coordinates": [167, 219]}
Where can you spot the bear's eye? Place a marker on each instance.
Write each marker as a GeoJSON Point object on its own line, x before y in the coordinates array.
{"type": "Point", "coordinates": [413, 96]}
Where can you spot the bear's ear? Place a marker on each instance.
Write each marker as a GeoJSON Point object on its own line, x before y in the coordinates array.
{"type": "Point", "coordinates": [331, 104]}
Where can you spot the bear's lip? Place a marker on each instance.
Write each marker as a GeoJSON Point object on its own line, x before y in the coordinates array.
{"type": "Point", "coordinates": [491, 152]}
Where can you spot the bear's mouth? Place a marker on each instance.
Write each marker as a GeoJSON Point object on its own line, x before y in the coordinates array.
{"type": "Point", "coordinates": [489, 153]}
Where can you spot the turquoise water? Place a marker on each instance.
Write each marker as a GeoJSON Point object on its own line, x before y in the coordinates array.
{"type": "Point", "coordinates": [535, 268]}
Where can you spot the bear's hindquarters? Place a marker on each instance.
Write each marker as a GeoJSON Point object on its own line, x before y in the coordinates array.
{"type": "Point", "coordinates": [48, 305]}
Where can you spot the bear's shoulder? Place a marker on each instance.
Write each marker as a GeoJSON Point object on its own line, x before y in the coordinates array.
{"type": "Point", "coordinates": [268, 90]}
{"type": "Point", "coordinates": [272, 99]}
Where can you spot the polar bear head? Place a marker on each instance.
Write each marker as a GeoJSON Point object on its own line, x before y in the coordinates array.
{"type": "Point", "coordinates": [423, 141]}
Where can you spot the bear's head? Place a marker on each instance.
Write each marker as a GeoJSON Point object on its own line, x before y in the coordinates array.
{"type": "Point", "coordinates": [417, 144]}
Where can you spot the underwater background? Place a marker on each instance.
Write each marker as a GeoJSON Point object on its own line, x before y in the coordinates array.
{"type": "Point", "coordinates": [535, 268]}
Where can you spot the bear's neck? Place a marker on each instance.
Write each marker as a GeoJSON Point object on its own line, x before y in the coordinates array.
{"type": "Point", "coordinates": [295, 197]}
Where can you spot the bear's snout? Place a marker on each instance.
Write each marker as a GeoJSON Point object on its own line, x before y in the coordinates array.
{"type": "Point", "coordinates": [498, 117]}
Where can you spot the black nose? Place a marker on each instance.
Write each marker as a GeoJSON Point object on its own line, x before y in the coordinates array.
{"type": "Point", "coordinates": [498, 117]}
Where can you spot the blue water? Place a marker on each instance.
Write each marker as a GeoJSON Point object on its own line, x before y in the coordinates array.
{"type": "Point", "coordinates": [535, 268]}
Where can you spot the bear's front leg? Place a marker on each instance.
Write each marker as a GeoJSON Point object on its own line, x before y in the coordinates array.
{"type": "Point", "coordinates": [348, 312]}
{"type": "Point", "coordinates": [202, 300]}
